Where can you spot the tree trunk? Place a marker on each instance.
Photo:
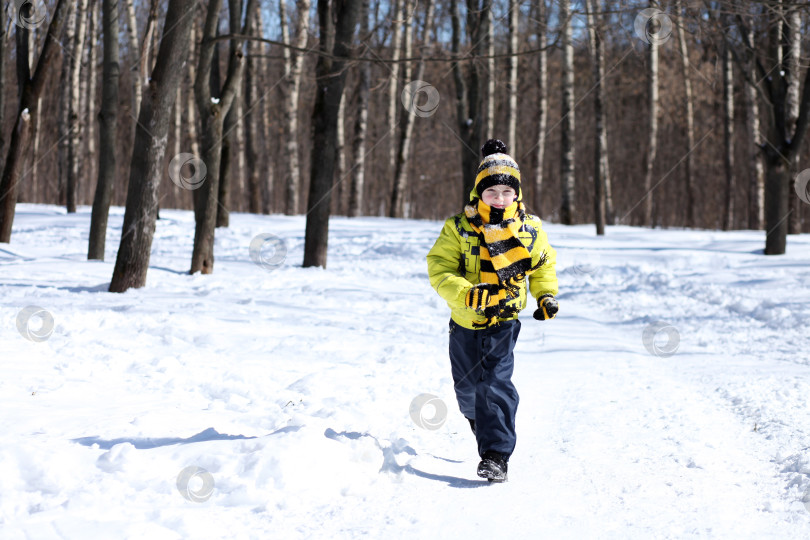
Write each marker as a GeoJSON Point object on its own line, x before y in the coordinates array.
{"type": "Point", "coordinates": [190, 105]}
{"type": "Point", "coordinates": [290, 92]}
{"type": "Point", "coordinates": [63, 154]}
{"type": "Point", "coordinates": [600, 133]}
{"type": "Point", "coordinates": [147, 167]}
{"type": "Point", "coordinates": [542, 109]}
{"type": "Point", "coordinates": [690, 124]}
{"type": "Point", "coordinates": [652, 134]}
{"type": "Point", "coordinates": [361, 122]}
{"type": "Point", "coordinates": [567, 125]}
{"type": "Point", "coordinates": [489, 132]}
{"type": "Point", "coordinates": [397, 10]}
{"type": "Point", "coordinates": [340, 157]}
{"type": "Point", "coordinates": [793, 46]}
{"type": "Point", "coordinates": [92, 118]}
{"type": "Point", "coordinates": [254, 116]}
{"type": "Point", "coordinates": [468, 89]}
{"type": "Point", "coordinates": [212, 113]}
{"type": "Point", "coordinates": [35, 135]}
{"type": "Point", "coordinates": [225, 167]}
{"type": "Point", "coordinates": [512, 78]}
{"type": "Point", "coordinates": [108, 133]}
{"type": "Point", "coordinates": [728, 137]}
{"type": "Point", "coordinates": [776, 204]}
{"type": "Point", "coordinates": [226, 164]}
{"type": "Point", "coordinates": [32, 89]}
{"type": "Point", "coordinates": [756, 190]}
{"type": "Point", "coordinates": [330, 77]}
{"type": "Point", "coordinates": [398, 199]}
{"type": "Point", "coordinates": [74, 120]}
{"type": "Point", "coordinates": [135, 52]}
{"type": "Point", "coordinates": [3, 40]}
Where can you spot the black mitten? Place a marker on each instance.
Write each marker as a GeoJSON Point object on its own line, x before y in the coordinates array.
{"type": "Point", "coordinates": [547, 307]}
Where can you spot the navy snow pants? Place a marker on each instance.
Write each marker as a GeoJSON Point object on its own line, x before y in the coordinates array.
{"type": "Point", "coordinates": [482, 362]}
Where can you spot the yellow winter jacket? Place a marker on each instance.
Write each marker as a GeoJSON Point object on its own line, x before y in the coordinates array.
{"type": "Point", "coordinates": [454, 262]}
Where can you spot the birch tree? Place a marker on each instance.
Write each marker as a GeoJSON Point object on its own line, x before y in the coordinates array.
{"type": "Point", "coordinates": [512, 78]}
{"type": "Point", "coordinates": [756, 187]}
{"type": "Point", "coordinates": [728, 137]}
{"type": "Point", "coordinates": [490, 103]}
{"type": "Point", "coordinates": [541, 30]}
{"type": "Point", "coordinates": [652, 130]}
{"type": "Point", "coordinates": [134, 53]}
{"type": "Point", "coordinates": [291, 86]}
{"type": "Point", "coordinates": [397, 205]}
{"type": "Point", "coordinates": [793, 46]}
{"type": "Point", "coordinates": [74, 120]}
{"type": "Point", "coordinates": [690, 120]}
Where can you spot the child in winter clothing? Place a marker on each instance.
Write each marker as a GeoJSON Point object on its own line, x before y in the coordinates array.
{"type": "Point", "coordinates": [479, 265]}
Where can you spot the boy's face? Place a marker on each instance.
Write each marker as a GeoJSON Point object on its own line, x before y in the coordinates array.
{"type": "Point", "coordinates": [498, 196]}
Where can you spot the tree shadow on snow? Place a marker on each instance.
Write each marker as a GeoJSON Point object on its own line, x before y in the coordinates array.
{"type": "Point", "coordinates": [209, 434]}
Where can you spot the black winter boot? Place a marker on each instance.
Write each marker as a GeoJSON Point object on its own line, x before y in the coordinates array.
{"type": "Point", "coordinates": [492, 467]}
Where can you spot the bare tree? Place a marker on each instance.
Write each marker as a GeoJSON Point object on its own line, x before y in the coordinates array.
{"type": "Point", "coordinates": [756, 190]}
{"type": "Point", "coordinates": [337, 19]}
{"type": "Point", "coordinates": [63, 152]}
{"type": "Point", "coordinates": [108, 133]}
{"type": "Point", "coordinates": [36, 134]}
{"type": "Point", "coordinates": [134, 53]}
{"type": "Point", "coordinates": [781, 141]}
{"type": "Point", "coordinates": [92, 73]}
{"type": "Point", "coordinates": [397, 10]}
{"type": "Point", "coordinates": [397, 206]}
{"type": "Point", "coordinates": [541, 30]}
{"type": "Point", "coordinates": [290, 91]}
{"type": "Point", "coordinates": [340, 157]}
{"type": "Point", "coordinates": [146, 167]}
{"type": "Point", "coordinates": [652, 133]}
{"type": "Point", "coordinates": [361, 121]}
{"type": "Point", "coordinates": [74, 120]}
{"type": "Point", "coordinates": [212, 113]}
{"type": "Point", "coordinates": [254, 116]}
{"type": "Point", "coordinates": [490, 102]}
{"type": "Point", "coordinates": [793, 45]}
{"type": "Point", "coordinates": [567, 129]}
{"type": "Point", "coordinates": [512, 84]}
{"type": "Point", "coordinates": [468, 87]}
{"type": "Point", "coordinates": [728, 136]}
{"type": "Point", "coordinates": [32, 88]}
{"type": "Point", "coordinates": [229, 162]}
{"type": "Point", "coordinates": [600, 133]}
{"type": "Point", "coordinates": [690, 120]}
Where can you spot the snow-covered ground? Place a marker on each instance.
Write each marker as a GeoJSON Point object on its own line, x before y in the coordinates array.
{"type": "Point", "coordinates": [279, 398]}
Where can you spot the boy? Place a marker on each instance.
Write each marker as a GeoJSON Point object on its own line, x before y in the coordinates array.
{"type": "Point", "coordinates": [479, 265]}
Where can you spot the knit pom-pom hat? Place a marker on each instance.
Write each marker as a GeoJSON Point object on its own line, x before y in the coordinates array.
{"type": "Point", "coordinates": [497, 168]}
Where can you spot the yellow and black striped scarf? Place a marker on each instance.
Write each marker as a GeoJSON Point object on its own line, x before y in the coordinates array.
{"type": "Point", "coordinates": [505, 261]}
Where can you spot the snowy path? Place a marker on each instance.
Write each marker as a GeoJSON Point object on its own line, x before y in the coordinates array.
{"type": "Point", "coordinates": [291, 390]}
